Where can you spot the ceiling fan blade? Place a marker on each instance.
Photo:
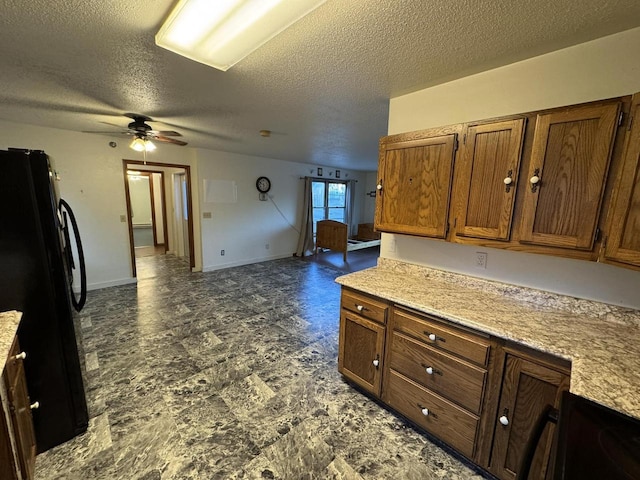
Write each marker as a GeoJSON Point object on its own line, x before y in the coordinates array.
{"type": "Point", "coordinates": [112, 125]}
{"type": "Point", "coordinates": [164, 133]}
{"type": "Point", "coordinates": [123, 132]}
{"type": "Point", "coordinates": [169, 140]}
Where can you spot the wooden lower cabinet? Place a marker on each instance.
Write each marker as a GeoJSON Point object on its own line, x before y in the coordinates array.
{"type": "Point", "coordinates": [17, 442]}
{"type": "Point", "coordinates": [361, 351]}
{"type": "Point", "coordinates": [478, 394]}
{"type": "Point", "coordinates": [527, 388]}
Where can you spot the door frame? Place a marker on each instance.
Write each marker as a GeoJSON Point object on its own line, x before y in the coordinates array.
{"type": "Point", "coordinates": [126, 163]}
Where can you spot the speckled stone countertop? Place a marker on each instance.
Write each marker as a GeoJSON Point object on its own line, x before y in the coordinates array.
{"type": "Point", "coordinates": [601, 341]}
{"type": "Point", "coordinates": [8, 326]}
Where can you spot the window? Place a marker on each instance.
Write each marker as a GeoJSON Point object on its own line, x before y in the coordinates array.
{"type": "Point", "coordinates": [329, 201]}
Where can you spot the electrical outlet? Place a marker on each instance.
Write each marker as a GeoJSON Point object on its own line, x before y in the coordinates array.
{"type": "Point", "coordinates": [222, 253]}
{"type": "Point", "coordinates": [266, 246]}
{"type": "Point", "coordinates": [123, 218]}
{"type": "Point", "coordinates": [481, 259]}
{"type": "Point", "coordinates": [206, 214]}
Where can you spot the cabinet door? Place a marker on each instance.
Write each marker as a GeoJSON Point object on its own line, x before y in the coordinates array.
{"type": "Point", "coordinates": [20, 408]}
{"type": "Point", "coordinates": [567, 174]}
{"type": "Point", "coordinates": [415, 179]}
{"type": "Point", "coordinates": [8, 469]}
{"type": "Point", "coordinates": [527, 389]}
{"type": "Point", "coordinates": [623, 243]}
{"type": "Point", "coordinates": [361, 351]}
{"type": "Point", "coordinates": [489, 172]}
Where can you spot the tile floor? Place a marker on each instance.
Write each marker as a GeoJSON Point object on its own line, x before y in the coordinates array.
{"type": "Point", "coordinates": [227, 375]}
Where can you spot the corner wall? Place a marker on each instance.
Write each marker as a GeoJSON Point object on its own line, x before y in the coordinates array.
{"type": "Point", "coordinates": [603, 68]}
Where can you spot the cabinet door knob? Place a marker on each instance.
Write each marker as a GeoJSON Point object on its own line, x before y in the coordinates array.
{"type": "Point", "coordinates": [508, 180]}
{"type": "Point", "coordinates": [360, 307]}
{"type": "Point", "coordinates": [429, 370]}
{"type": "Point", "coordinates": [20, 356]}
{"type": "Point", "coordinates": [379, 186]}
{"type": "Point", "coordinates": [425, 411]}
{"type": "Point", "coordinates": [376, 363]}
{"type": "Point", "coordinates": [35, 405]}
{"type": "Point", "coordinates": [432, 337]}
{"type": "Point", "coordinates": [535, 180]}
{"type": "Point", "coordinates": [504, 420]}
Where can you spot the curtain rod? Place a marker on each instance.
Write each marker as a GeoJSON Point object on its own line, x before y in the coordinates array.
{"type": "Point", "coordinates": [329, 178]}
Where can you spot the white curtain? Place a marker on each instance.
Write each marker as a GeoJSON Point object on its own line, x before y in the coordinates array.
{"type": "Point", "coordinates": [305, 242]}
{"type": "Point", "coordinates": [350, 199]}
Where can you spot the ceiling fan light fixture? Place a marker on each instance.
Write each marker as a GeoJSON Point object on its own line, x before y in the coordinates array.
{"type": "Point", "coordinates": [138, 144]}
{"type": "Point", "coordinates": [222, 33]}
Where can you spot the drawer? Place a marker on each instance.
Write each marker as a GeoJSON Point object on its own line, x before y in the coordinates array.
{"type": "Point", "coordinates": [364, 305]}
{"type": "Point", "coordinates": [448, 422]}
{"type": "Point", "coordinates": [461, 382]}
{"type": "Point", "coordinates": [443, 337]}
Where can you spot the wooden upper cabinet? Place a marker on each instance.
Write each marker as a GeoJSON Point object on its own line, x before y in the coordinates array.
{"type": "Point", "coordinates": [623, 242]}
{"type": "Point", "coordinates": [415, 178]}
{"type": "Point", "coordinates": [567, 174]}
{"type": "Point", "coordinates": [488, 176]}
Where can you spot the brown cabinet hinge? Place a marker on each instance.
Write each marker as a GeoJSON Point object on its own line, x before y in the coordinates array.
{"type": "Point", "coordinates": [455, 144]}
{"type": "Point", "coordinates": [464, 139]}
{"type": "Point", "coordinates": [630, 123]}
{"type": "Point", "coordinates": [620, 119]}
{"type": "Point", "coordinates": [598, 234]}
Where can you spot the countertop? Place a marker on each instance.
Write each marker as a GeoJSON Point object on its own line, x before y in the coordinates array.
{"type": "Point", "coordinates": [602, 341]}
{"type": "Point", "coordinates": [9, 322]}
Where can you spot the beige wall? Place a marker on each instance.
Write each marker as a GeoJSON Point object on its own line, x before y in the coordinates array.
{"type": "Point", "coordinates": [243, 228]}
{"type": "Point", "coordinates": [604, 68]}
{"type": "Point", "coordinates": [92, 181]}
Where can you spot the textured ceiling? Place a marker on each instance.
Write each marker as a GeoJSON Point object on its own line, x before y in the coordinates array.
{"type": "Point", "coordinates": [321, 86]}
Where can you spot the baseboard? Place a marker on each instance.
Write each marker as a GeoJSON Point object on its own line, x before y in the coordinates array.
{"type": "Point", "coordinates": [239, 263]}
{"type": "Point", "coordinates": [111, 283]}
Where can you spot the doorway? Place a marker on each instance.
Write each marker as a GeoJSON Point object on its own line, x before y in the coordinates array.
{"type": "Point", "coordinates": [148, 212]}
{"type": "Point", "coordinates": [165, 226]}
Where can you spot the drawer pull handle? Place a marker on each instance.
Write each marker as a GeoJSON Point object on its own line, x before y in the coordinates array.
{"type": "Point", "coordinates": [35, 405]}
{"type": "Point", "coordinates": [433, 337]}
{"type": "Point", "coordinates": [376, 362]}
{"type": "Point", "coordinates": [426, 412]}
{"type": "Point", "coordinates": [20, 356]}
{"type": "Point", "coordinates": [360, 307]}
{"type": "Point", "coordinates": [430, 370]}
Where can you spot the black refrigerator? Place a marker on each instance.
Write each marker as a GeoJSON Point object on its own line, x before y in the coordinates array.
{"type": "Point", "coordinates": [36, 278]}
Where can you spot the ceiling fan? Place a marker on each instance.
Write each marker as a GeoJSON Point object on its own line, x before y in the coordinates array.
{"type": "Point", "coordinates": [142, 132]}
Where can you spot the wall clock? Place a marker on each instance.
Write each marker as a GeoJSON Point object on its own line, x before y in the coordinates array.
{"type": "Point", "coordinates": [263, 184]}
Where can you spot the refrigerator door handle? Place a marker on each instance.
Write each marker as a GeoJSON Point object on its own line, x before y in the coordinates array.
{"type": "Point", "coordinates": [78, 303]}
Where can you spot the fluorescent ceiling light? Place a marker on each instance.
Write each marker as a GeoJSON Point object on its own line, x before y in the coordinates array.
{"type": "Point", "coordinates": [220, 33]}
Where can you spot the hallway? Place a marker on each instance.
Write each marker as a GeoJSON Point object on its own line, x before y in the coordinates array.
{"type": "Point", "coordinates": [230, 374]}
